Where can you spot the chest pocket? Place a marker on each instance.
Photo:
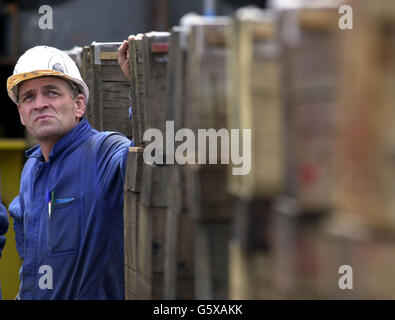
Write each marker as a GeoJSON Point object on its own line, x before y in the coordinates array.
{"type": "Point", "coordinates": [64, 226]}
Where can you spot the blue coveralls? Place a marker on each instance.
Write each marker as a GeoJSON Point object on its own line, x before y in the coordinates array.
{"type": "Point", "coordinates": [69, 218]}
{"type": "Point", "coordinates": [3, 228]}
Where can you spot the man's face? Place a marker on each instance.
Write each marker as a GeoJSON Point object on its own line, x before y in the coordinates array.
{"type": "Point", "coordinates": [47, 109]}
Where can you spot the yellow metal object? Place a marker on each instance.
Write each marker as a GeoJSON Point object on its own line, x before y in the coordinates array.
{"type": "Point", "coordinates": [11, 163]}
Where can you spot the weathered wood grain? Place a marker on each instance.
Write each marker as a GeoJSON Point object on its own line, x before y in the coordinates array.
{"type": "Point", "coordinates": [179, 250]}
{"type": "Point", "coordinates": [137, 86]}
{"type": "Point", "coordinates": [108, 107]}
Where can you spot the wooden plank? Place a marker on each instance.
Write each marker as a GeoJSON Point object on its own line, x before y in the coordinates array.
{"type": "Point", "coordinates": [87, 75]}
{"type": "Point", "coordinates": [134, 169]}
{"type": "Point", "coordinates": [112, 97]}
{"type": "Point", "coordinates": [176, 78]}
{"type": "Point", "coordinates": [155, 81]}
{"type": "Point", "coordinates": [255, 101]}
{"type": "Point", "coordinates": [176, 88]}
{"type": "Point", "coordinates": [151, 247]}
{"type": "Point", "coordinates": [208, 198]}
{"type": "Point", "coordinates": [144, 253]}
{"type": "Point", "coordinates": [113, 73]}
{"type": "Point", "coordinates": [179, 259]}
{"type": "Point", "coordinates": [154, 188]}
{"type": "Point", "coordinates": [152, 228]}
{"type": "Point", "coordinates": [312, 62]}
{"type": "Point", "coordinates": [211, 261]}
{"type": "Point", "coordinates": [155, 73]}
{"type": "Point", "coordinates": [212, 212]}
{"type": "Point", "coordinates": [205, 77]}
{"type": "Point", "coordinates": [109, 90]}
{"type": "Point", "coordinates": [116, 119]}
{"type": "Point", "coordinates": [131, 213]}
{"type": "Point", "coordinates": [97, 97]}
{"type": "Point", "coordinates": [137, 88]}
{"type": "Point", "coordinates": [108, 55]}
{"type": "Point", "coordinates": [179, 250]}
{"type": "Point", "coordinates": [133, 286]}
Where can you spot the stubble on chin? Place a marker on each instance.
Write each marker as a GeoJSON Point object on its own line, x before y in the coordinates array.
{"type": "Point", "coordinates": [45, 131]}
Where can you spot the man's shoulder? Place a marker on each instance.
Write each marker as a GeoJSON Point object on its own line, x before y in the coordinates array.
{"type": "Point", "coordinates": [108, 140]}
{"type": "Point", "coordinates": [110, 134]}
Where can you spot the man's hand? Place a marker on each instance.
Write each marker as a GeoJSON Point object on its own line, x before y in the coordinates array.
{"type": "Point", "coordinates": [123, 55]}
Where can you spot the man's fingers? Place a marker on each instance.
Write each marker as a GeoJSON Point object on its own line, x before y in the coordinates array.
{"type": "Point", "coordinates": [123, 47]}
{"type": "Point", "coordinates": [123, 52]}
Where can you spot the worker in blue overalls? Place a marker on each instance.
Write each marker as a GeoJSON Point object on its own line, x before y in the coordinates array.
{"type": "Point", "coordinates": [68, 216]}
{"type": "Point", "coordinates": [3, 228]}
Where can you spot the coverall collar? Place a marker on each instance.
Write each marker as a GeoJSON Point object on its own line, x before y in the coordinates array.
{"type": "Point", "coordinates": [69, 142]}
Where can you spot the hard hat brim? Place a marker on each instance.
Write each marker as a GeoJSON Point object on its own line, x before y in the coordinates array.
{"type": "Point", "coordinates": [14, 80]}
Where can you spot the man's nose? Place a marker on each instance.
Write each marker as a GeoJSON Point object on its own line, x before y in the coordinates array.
{"type": "Point", "coordinates": [41, 102]}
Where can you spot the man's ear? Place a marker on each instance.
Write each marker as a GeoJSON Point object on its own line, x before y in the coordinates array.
{"type": "Point", "coordinates": [20, 114]}
{"type": "Point", "coordinates": [80, 105]}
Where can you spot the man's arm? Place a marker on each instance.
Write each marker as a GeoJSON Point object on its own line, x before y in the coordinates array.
{"type": "Point", "coordinates": [3, 226]}
{"type": "Point", "coordinates": [111, 165]}
{"type": "Point", "coordinates": [16, 211]}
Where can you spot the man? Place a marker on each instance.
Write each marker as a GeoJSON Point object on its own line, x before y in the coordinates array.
{"type": "Point", "coordinates": [68, 217]}
{"type": "Point", "coordinates": [3, 228]}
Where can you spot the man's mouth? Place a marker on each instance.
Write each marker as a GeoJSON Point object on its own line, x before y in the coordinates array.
{"type": "Point", "coordinates": [42, 117]}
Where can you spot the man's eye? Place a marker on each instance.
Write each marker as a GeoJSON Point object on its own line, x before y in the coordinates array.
{"type": "Point", "coordinates": [52, 93]}
{"type": "Point", "coordinates": [27, 98]}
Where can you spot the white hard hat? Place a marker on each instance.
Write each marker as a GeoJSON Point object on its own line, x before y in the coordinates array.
{"type": "Point", "coordinates": [44, 61]}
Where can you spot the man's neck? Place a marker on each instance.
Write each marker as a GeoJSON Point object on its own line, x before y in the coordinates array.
{"type": "Point", "coordinates": [46, 147]}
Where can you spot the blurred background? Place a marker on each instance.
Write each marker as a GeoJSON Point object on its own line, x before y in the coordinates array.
{"type": "Point", "coordinates": [319, 101]}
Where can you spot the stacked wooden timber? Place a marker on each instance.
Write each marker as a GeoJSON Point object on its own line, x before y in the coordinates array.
{"type": "Point", "coordinates": [108, 106]}
{"type": "Point", "coordinates": [317, 200]}
{"type": "Point", "coordinates": [206, 175]}
{"type": "Point", "coordinates": [310, 40]}
{"type": "Point", "coordinates": [255, 104]}
{"type": "Point", "coordinates": [179, 251]}
{"type": "Point", "coordinates": [145, 214]}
